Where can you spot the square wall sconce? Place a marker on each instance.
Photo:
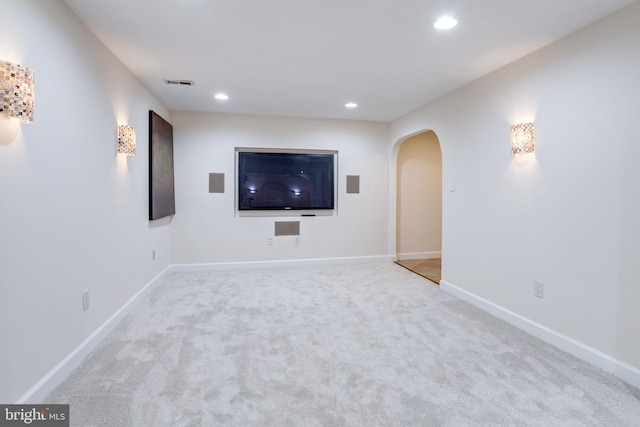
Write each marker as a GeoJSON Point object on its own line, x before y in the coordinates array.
{"type": "Point", "coordinates": [16, 91]}
{"type": "Point", "coordinates": [127, 140]}
{"type": "Point", "coordinates": [522, 138]}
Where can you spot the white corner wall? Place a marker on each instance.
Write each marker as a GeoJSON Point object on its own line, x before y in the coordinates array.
{"type": "Point", "coordinates": [419, 197]}
{"type": "Point", "coordinates": [568, 217]}
{"type": "Point", "coordinates": [73, 212]}
{"type": "Point", "coordinates": [206, 228]}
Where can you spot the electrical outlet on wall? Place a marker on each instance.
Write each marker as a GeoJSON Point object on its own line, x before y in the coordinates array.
{"type": "Point", "coordinates": [153, 254]}
{"type": "Point", "coordinates": [538, 288]}
{"type": "Point", "coordinates": [85, 300]}
{"type": "Point", "coordinates": [297, 240]}
{"type": "Point", "coordinates": [270, 240]}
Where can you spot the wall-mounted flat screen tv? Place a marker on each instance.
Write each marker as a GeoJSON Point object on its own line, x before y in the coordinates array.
{"type": "Point", "coordinates": [285, 180]}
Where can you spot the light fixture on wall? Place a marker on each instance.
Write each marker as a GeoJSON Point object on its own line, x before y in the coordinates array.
{"type": "Point", "coordinates": [522, 138]}
{"type": "Point", "coordinates": [16, 91]}
{"type": "Point", "coordinates": [127, 140]}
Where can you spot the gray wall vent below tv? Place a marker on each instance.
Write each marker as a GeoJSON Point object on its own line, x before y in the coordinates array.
{"type": "Point", "coordinates": [287, 228]}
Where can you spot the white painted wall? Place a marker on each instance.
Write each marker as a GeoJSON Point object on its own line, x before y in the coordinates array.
{"type": "Point", "coordinates": [570, 216]}
{"type": "Point", "coordinates": [419, 197]}
{"type": "Point", "coordinates": [73, 213]}
{"type": "Point", "coordinates": [206, 228]}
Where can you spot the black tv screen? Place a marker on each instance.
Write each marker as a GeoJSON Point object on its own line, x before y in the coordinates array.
{"type": "Point", "coordinates": [268, 180]}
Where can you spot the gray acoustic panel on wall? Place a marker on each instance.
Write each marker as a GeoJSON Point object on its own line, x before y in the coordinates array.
{"type": "Point", "coordinates": [216, 183]}
{"type": "Point", "coordinates": [287, 228]}
{"type": "Point", "coordinates": [353, 184]}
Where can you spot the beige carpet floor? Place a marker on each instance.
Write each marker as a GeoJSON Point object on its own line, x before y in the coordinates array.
{"type": "Point", "coordinates": [427, 268]}
{"type": "Point", "coordinates": [330, 345]}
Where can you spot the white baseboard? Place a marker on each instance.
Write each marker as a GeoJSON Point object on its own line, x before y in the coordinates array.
{"type": "Point", "coordinates": [622, 370]}
{"type": "Point", "coordinates": [419, 255]}
{"type": "Point", "coordinates": [62, 370]}
{"type": "Point", "coordinates": [281, 263]}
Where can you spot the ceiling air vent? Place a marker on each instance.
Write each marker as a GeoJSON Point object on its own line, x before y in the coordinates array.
{"type": "Point", "coordinates": [180, 82]}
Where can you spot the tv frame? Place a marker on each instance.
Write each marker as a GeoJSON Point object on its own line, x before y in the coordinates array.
{"type": "Point", "coordinates": [285, 211]}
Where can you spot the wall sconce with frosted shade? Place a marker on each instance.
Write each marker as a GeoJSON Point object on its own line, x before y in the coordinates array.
{"type": "Point", "coordinates": [16, 91]}
{"type": "Point", "coordinates": [127, 140]}
{"type": "Point", "coordinates": [522, 138]}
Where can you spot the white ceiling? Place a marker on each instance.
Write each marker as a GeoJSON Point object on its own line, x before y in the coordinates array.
{"type": "Point", "coordinates": [309, 57]}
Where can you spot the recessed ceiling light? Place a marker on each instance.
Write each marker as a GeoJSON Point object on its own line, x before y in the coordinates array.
{"type": "Point", "coordinates": [221, 96]}
{"type": "Point", "coordinates": [351, 105]}
{"type": "Point", "coordinates": [445, 23]}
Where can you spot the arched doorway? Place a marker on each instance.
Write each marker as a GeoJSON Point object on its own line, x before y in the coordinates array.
{"type": "Point", "coordinates": [419, 205]}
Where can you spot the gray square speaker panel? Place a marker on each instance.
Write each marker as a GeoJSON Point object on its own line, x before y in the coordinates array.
{"type": "Point", "coordinates": [353, 184]}
{"type": "Point", "coordinates": [216, 183]}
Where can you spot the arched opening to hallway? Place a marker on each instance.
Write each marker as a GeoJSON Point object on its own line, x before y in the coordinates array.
{"type": "Point", "coordinates": [419, 205]}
